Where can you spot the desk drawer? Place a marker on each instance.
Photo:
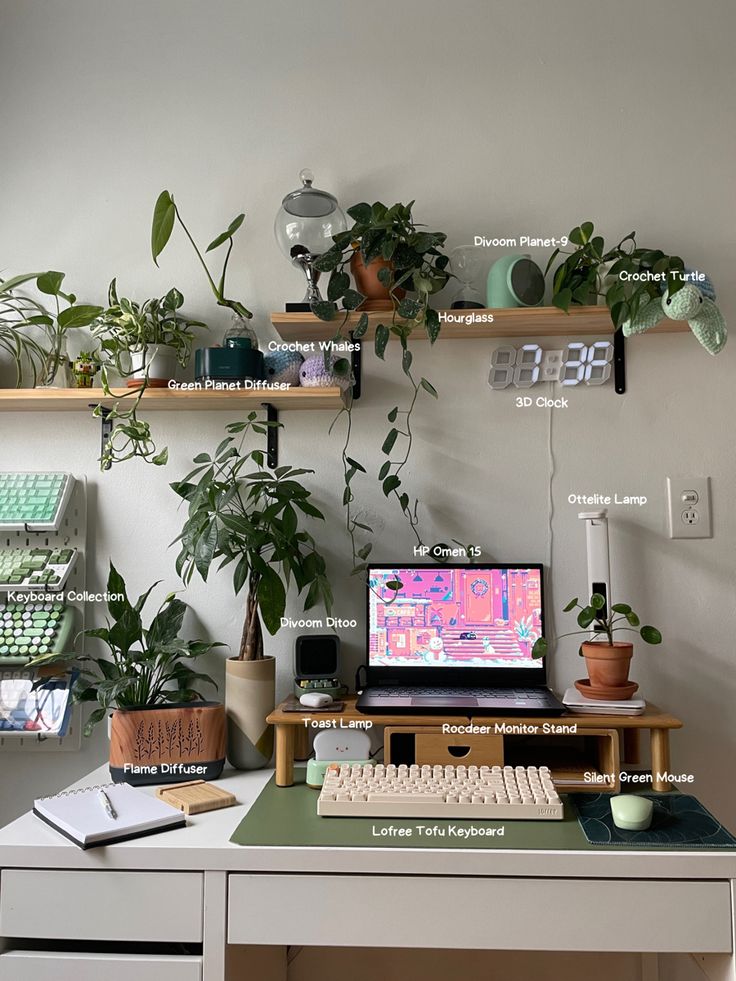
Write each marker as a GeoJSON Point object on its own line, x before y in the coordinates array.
{"type": "Point", "coordinates": [480, 913]}
{"type": "Point", "coordinates": [152, 906]}
{"type": "Point", "coordinates": [32, 965]}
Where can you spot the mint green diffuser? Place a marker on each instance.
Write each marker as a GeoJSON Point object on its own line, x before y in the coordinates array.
{"type": "Point", "coordinates": [515, 281]}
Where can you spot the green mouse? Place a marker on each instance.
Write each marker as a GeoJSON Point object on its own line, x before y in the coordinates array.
{"type": "Point", "coordinates": [631, 813]}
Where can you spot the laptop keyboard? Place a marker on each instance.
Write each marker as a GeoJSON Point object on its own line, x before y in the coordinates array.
{"type": "Point", "coordinates": [476, 692]}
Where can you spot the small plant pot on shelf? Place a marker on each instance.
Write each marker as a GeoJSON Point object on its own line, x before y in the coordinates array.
{"type": "Point", "coordinates": [250, 695]}
{"type": "Point", "coordinates": [377, 296]}
{"type": "Point", "coordinates": [167, 743]}
{"type": "Point", "coordinates": [158, 362]}
{"type": "Point", "coordinates": [608, 670]}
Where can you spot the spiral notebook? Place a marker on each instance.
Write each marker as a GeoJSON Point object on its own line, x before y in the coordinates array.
{"type": "Point", "coordinates": [80, 815]}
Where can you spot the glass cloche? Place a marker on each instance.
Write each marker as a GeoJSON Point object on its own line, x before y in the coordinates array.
{"type": "Point", "coordinates": [304, 226]}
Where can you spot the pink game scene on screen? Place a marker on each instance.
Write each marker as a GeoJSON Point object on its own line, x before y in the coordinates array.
{"type": "Point", "coordinates": [443, 617]}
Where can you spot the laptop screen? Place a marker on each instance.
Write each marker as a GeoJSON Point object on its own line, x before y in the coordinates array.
{"type": "Point", "coordinates": [450, 616]}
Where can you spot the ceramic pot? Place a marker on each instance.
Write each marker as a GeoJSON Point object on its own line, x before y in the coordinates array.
{"type": "Point", "coordinates": [250, 695]}
{"type": "Point", "coordinates": [377, 296]}
{"type": "Point", "coordinates": [160, 361]}
{"type": "Point", "coordinates": [167, 743]}
{"type": "Point", "coordinates": [608, 664]}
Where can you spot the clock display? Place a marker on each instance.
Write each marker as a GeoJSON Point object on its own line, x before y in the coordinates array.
{"type": "Point", "coordinates": [578, 364]}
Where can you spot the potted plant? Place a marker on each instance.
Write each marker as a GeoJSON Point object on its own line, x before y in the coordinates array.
{"type": "Point", "coordinates": [607, 660]}
{"type": "Point", "coordinates": [251, 519]}
{"type": "Point", "coordinates": [145, 341]}
{"type": "Point", "coordinates": [161, 730]}
{"type": "Point", "coordinates": [592, 271]}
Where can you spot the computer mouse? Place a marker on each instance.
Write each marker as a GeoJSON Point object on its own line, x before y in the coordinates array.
{"type": "Point", "coordinates": [631, 813]}
{"type": "Point", "coordinates": [315, 699]}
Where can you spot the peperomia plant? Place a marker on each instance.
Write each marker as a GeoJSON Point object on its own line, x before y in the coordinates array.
{"type": "Point", "coordinates": [251, 518]}
{"type": "Point", "coordinates": [146, 665]}
{"type": "Point", "coordinates": [595, 616]}
{"type": "Point", "coordinates": [591, 271]}
{"type": "Point", "coordinates": [416, 266]}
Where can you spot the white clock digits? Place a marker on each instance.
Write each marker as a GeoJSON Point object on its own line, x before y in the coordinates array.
{"type": "Point", "coordinates": [503, 360]}
{"type": "Point", "coordinates": [528, 360]}
{"type": "Point", "coordinates": [573, 367]}
{"type": "Point", "coordinates": [525, 367]}
{"type": "Point", "coordinates": [598, 369]}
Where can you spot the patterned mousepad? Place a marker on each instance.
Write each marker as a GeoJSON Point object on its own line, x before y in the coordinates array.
{"type": "Point", "coordinates": [679, 821]}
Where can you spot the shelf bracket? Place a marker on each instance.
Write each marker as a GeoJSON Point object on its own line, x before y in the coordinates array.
{"type": "Point", "coordinates": [272, 435]}
{"type": "Point", "coordinates": [619, 361]}
{"type": "Point", "coordinates": [357, 366]}
{"type": "Point", "coordinates": [105, 429]}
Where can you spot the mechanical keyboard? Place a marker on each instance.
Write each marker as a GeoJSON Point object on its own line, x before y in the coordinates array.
{"type": "Point", "coordinates": [28, 630]}
{"type": "Point", "coordinates": [23, 569]}
{"type": "Point", "coordinates": [481, 793]}
{"type": "Point", "coordinates": [33, 501]}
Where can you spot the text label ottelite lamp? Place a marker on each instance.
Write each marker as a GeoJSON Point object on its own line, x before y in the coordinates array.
{"type": "Point", "coordinates": [304, 226]}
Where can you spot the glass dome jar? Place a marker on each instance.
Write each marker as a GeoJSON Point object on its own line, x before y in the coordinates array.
{"type": "Point", "coordinates": [304, 226]}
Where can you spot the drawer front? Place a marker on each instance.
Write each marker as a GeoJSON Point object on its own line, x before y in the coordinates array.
{"type": "Point", "coordinates": [484, 914]}
{"type": "Point", "coordinates": [153, 906]}
{"type": "Point", "coordinates": [31, 965]}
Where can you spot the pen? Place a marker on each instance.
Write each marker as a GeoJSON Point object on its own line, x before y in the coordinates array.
{"type": "Point", "coordinates": [107, 804]}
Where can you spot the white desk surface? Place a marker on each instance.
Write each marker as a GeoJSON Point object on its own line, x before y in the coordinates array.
{"type": "Point", "coordinates": [204, 846]}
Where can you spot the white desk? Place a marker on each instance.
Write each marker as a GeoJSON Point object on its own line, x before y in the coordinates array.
{"type": "Point", "coordinates": [193, 887]}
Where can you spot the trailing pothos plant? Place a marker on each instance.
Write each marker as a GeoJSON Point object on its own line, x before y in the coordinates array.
{"type": "Point", "coordinates": [144, 665]}
{"type": "Point", "coordinates": [126, 328]}
{"type": "Point", "coordinates": [592, 271]}
{"type": "Point", "coordinates": [251, 519]}
{"type": "Point", "coordinates": [416, 266]}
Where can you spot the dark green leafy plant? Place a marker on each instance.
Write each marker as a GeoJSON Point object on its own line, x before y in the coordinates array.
{"type": "Point", "coordinates": [620, 617]}
{"type": "Point", "coordinates": [579, 279]}
{"type": "Point", "coordinates": [165, 214]}
{"type": "Point", "coordinates": [146, 665]}
{"type": "Point", "coordinates": [126, 328]}
{"type": "Point", "coordinates": [418, 267]}
{"type": "Point", "coordinates": [251, 518]}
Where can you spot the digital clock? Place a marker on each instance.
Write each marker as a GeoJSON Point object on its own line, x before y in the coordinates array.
{"type": "Point", "coordinates": [578, 364]}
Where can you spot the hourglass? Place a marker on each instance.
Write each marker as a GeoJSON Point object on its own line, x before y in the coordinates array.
{"type": "Point", "coordinates": [465, 263]}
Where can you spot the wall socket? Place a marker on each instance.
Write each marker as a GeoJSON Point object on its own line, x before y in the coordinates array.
{"type": "Point", "coordinates": [688, 507]}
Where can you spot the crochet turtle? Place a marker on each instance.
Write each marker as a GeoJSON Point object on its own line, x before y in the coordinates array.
{"type": "Point", "coordinates": [688, 303]}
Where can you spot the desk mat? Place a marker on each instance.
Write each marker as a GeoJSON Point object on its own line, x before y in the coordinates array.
{"type": "Point", "coordinates": [680, 821]}
{"type": "Point", "coordinates": [287, 817]}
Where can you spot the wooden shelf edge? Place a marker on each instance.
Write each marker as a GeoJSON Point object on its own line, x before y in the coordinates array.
{"type": "Point", "coordinates": [511, 322]}
{"type": "Point", "coordinates": [167, 400]}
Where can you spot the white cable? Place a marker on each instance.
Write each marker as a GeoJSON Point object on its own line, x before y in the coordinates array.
{"type": "Point", "coordinates": [549, 614]}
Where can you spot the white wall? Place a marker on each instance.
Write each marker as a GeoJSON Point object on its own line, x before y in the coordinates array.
{"type": "Point", "coordinates": [500, 119]}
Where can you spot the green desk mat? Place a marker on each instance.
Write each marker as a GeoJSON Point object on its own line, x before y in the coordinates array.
{"type": "Point", "coordinates": [287, 817]}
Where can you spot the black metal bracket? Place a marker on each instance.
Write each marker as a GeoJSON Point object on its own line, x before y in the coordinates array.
{"type": "Point", "coordinates": [619, 361]}
{"type": "Point", "coordinates": [272, 435]}
{"type": "Point", "coordinates": [357, 366]}
{"type": "Point", "coordinates": [105, 429]}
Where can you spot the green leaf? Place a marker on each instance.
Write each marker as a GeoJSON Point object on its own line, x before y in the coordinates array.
{"type": "Point", "coordinates": [361, 213]}
{"type": "Point", "coordinates": [393, 414]}
{"type": "Point", "coordinates": [339, 283]}
{"type": "Point", "coordinates": [429, 387]}
{"type": "Point", "coordinates": [409, 309]}
{"type": "Point", "coordinates": [323, 309]}
{"type": "Point", "coordinates": [571, 605]}
{"type": "Point", "coordinates": [97, 716]}
{"type": "Point", "coordinates": [381, 340]}
{"type": "Point", "coordinates": [50, 282]}
{"type": "Point", "coordinates": [563, 299]}
{"type": "Point", "coordinates": [406, 360]}
{"type": "Point", "coordinates": [597, 601]}
{"type": "Point", "coordinates": [384, 471]}
{"type": "Point", "coordinates": [586, 617]}
{"type": "Point", "coordinates": [388, 443]}
{"type": "Point", "coordinates": [540, 648]}
{"type": "Point", "coordinates": [352, 299]}
{"type": "Point", "coordinates": [621, 608]}
{"type": "Point", "coordinates": [80, 316]}
{"type": "Point", "coordinates": [271, 599]}
{"type": "Point", "coordinates": [633, 619]}
{"type": "Point", "coordinates": [204, 550]}
{"type": "Point", "coordinates": [395, 585]}
{"type": "Point", "coordinates": [224, 236]}
{"type": "Point", "coordinates": [354, 463]}
{"type": "Point", "coordinates": [361, 327]}
{"type": "Point", "coordinates": [650, 635]}
{"type": "Point", "coordinates": [162, 226]}
{"type": "Point", "coordinates": [390, 484]}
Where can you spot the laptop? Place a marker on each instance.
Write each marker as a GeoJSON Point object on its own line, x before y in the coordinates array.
{"type": "Point", "coordinates": [456, 639]}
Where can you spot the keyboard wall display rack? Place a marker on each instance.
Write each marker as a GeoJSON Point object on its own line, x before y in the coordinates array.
{"type": "Point", "coordinates": [26, 624]}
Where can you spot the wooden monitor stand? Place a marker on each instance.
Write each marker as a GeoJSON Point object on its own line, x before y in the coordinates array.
{"type": "Point", "coordinates": [629, 727]}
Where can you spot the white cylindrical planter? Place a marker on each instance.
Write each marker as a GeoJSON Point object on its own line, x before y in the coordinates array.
{"type": "Point", "coordinates": [160, 360]}
{"type": "Point", "coordinates": [250, 695]}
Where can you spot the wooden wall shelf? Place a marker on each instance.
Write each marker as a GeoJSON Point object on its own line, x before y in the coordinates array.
{"type": "Point", "coordinates": [164, 399]}
{"type": "Point", "coordinates": [514, 322]}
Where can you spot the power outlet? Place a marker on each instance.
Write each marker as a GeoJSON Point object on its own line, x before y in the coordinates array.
{"type": "Point", "coordinates": [688, 507]}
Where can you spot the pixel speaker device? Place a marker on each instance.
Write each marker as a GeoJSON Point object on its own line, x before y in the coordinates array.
{"type": "Point", "coordinates": [337, 746]}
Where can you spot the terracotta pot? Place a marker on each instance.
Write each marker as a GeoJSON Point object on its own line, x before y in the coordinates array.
{"type": "Point", "coordinates": [608, 664]}
{"type": "Point", "coordinates": [167, 743]}
{"type": "Point", "coordinates": [250, 695]}
{"type": "Point", "coordinates": [377, 296]}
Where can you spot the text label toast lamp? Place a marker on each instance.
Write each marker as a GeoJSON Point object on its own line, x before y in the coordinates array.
{"type": "Point", "coordinates": [515, 281]}
{"type": "Point", "coordinates": [304, 226]}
